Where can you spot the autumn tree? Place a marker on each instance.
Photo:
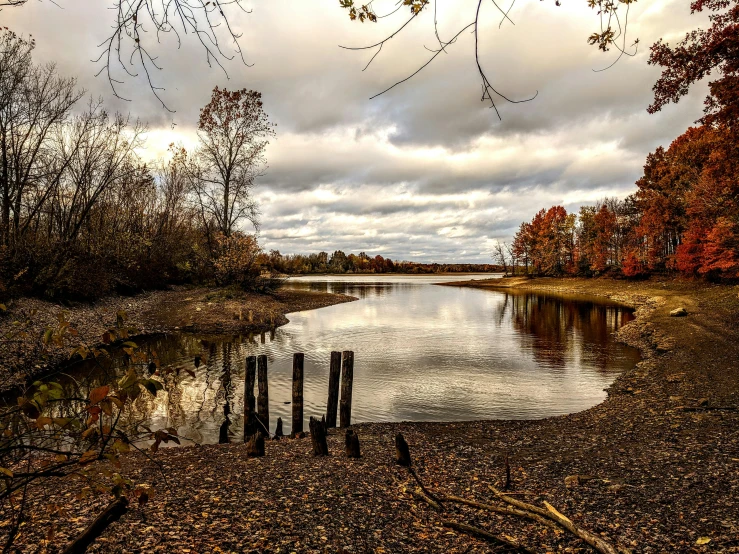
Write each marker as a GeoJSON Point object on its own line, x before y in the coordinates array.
{"type": "Point", "coordinates": [522, 245]}
{"type": "Point", "coordinates": [234, 131]}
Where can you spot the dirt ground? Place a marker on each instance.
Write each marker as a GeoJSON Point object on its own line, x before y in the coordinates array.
{"type": "Point", "coordinates": [657, 463]}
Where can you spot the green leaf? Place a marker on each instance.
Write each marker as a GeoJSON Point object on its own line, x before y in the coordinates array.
{"type": "Point", "coordinates": [152, 385]}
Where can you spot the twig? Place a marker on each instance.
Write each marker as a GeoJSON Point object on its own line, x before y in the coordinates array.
{"type": "Point", "coordinates": [476, 531]}
{"type": "Point", "coordinates": [551, 513]}
{"type": "Point", "coordinates": [423, 487]}
{"type": "Point", "coordinates": [422, 496]}
{"type": "Point", "coordinates": [111, 514]}
{"type": "Point", "coordinates": [504, 510]}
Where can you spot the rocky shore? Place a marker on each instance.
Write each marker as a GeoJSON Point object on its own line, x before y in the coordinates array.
{"type": "Point", "coordinates": [654, 468]}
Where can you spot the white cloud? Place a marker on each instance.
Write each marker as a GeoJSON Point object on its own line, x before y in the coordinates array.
{"type": "Point", "coordinates": [427, 170]}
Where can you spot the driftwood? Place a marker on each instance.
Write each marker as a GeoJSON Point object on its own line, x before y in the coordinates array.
{"type": "Point", "coordinates": [551, 513]}
{"type": "Point", "coordinates": [707, 408]}
{"type": "Point", "coordinates": [476, 531]}
{"type": "Point", "coordinates": [109, 515]}
{"type": "Point", "coordinates": [351, 443]}
{"type": "Point", "coordinates": [318, 436]}
{"type": "Point", "coordinates": [255, 445]}
{"type": "Point", "coordinates": [403, 458]}
{"type": "Point", "coordinates": [418, 493]}
{"type": "Point", "coordinates": [506, 510]}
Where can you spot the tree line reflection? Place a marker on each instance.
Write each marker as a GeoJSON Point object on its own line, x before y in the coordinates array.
{"type": "Point", "coordinates": [560, 327]}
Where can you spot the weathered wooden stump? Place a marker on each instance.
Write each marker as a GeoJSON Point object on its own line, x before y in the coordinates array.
{"type": "Point", "coordinates": [250, 423]}
{"type": "Point", "coordinates": [402, 452]}
{"type": "Point", "coordinates": [347, 379]}
{"type": "Point", "coordinates": [334, 375]}
{"type": "Point", "coordinates": [297, 423]}
{"type": "Point", "coordinates": [278, 429]}
{"type": "Point", "coordinates": [255, 446]}
{"type": "Point", "coordinates": [318, 436]}
{"type": "Point", "coordinates": [263, 398]}
{"type": "Point", "coordinates": [352, 444]}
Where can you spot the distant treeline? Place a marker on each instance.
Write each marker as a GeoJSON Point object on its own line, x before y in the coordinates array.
{"type": "Point", "coordinates": [339, 262]}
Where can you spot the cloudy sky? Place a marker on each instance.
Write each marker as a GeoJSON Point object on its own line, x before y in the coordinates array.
{"type": "Point", "coordinates": [425, 172]}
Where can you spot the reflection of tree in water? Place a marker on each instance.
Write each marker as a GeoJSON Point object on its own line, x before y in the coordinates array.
{"type": "Point", "coordinates": [560, 328]}
{"type": "Point", "coordinates": [225, 392]}
{"type": "Point", "coordinates": [176, 416]}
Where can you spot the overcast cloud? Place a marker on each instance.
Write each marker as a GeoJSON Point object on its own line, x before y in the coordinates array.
{"type": "Point", "coordinates": [426, 172]}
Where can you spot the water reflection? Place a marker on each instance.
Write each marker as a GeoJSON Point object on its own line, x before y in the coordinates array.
{"type": "Point", "coordinates": [422, 353]}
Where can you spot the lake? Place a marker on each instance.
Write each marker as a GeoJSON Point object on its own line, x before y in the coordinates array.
{"type": "Point", "coordinates": [422, 352]}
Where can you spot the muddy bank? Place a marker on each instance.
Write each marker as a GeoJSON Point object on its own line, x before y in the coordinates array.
{"type": "Point", "coordinates": [658, 463]}
{"type": "Point", "coordinates": [203, 310]}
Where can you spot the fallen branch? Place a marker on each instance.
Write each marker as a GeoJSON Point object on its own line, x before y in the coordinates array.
{"type": "Point", "coordinates": [110, 515]}
{"type": "Point", "coordinates": [505, 510]}
{"type": "Point", "coordinates": [476, 531]}
{"type": "Point", "coordinates": [707, 408]}
{"type": "Point", "coordinates": [551, 513]}
{"type": "Point", "coordinates": [423, 487]}
{"type": "Point", "coordinates": [419, 494]}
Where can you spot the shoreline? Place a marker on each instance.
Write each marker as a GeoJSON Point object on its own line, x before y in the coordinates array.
{"type": "Point", "coordinates": [203, 310]}
{"type": "Point", "coordinates": [653, 468]}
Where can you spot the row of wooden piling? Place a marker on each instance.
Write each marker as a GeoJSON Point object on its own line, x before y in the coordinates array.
{"type": "Point", "coordinates": [256, 410]}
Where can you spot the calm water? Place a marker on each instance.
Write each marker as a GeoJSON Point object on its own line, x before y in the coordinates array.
{"type": "Point", "coordinates": [422, 353]}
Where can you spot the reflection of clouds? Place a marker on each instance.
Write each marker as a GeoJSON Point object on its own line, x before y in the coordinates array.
{"type": "Point", "coordinates": [422, 353]}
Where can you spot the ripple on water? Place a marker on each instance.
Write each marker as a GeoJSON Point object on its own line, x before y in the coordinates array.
{"type": "Point", "coordinates": [422, 353]}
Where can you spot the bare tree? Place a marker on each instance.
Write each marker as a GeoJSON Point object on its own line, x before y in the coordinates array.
{"type": "Point", "coordinates": [34, 103]}
{"type": "Point", "coordinates": [233, 130]}
{"type": "Point", "coordinates": [501, 254]}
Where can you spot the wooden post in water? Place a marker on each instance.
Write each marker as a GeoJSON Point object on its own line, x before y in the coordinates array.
{"type": "Point", "coordinates": [263, 398]}
{"type": "Point", "coordinates": [347, 378]}
{"type": "Point", "coordinates": [250, 424]}
{"type": "Point", "coordinates": [297, 425]}
{"type": "Point", "coordinates": [334, 375]}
